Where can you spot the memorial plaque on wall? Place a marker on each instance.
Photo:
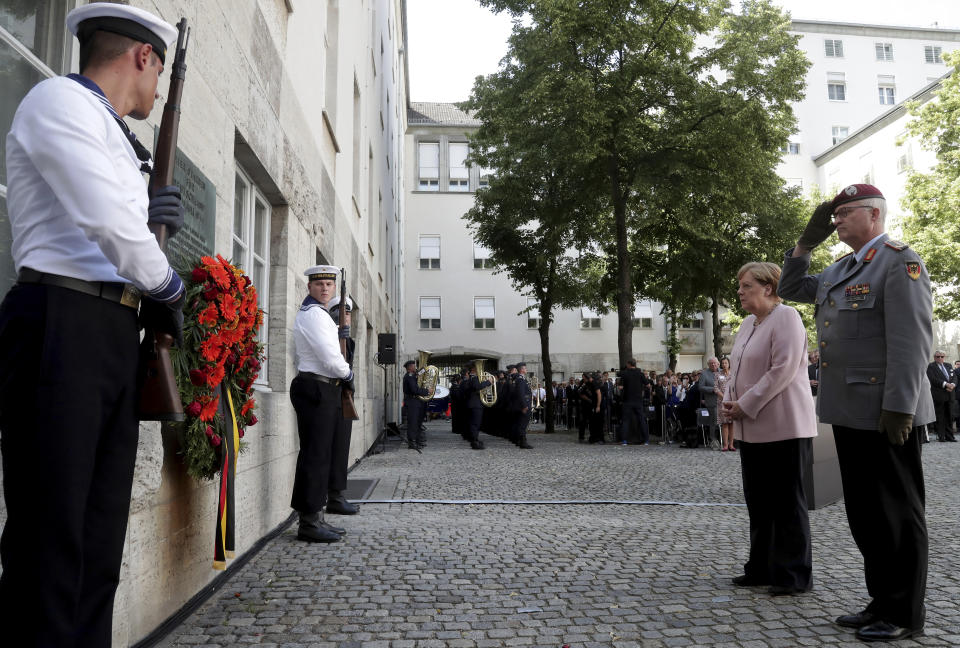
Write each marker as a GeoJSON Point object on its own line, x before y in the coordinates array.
{"type": "Point", "coordinates": [199, 197]}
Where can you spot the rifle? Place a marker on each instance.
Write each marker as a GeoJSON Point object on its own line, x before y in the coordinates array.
{"type": "Point", "coordinates": [346, 396]}
{"type": "Point", "coordinates": [159, 396]}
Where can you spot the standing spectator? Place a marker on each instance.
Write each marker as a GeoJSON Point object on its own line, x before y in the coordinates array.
{"type": "Point", "coordinates": [570, 396]}
{"type": "Point", "coordinates": [813, 370]}
{"type": "Point", "coordinates": [725, 422]}
{"type": "Point", "coordinates": [595, 396]}
{"type": "Point", "coordinates": [634, 389]}
{"type": "Point", "coordinates": [875, 328]}
{"type": "Point", "coordinates": [956, 394]}
{"type": "Point", "coordinates": [707, 384]}
{"type": "Point", "coordinates": [941, 389]}
{"type": "Point", "coordinates": [769, 401]}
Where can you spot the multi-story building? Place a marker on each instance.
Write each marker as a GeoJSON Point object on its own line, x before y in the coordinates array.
{"type": "Point", "coordinates": [458, 308]}
{"type": "Point", "coordinates": [293, 117]}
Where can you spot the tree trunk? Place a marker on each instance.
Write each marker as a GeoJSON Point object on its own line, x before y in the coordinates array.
{"type": "Point", "coordinates": [717, 333]}
{"type": "Point", "coordinates": [624, 284]}
{"type": "Point", "coordinates": [544, 330]}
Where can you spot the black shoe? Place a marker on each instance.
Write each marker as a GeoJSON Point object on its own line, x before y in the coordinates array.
{"type": "Point", "coordinates": [413, 446]}
{"type": "Point", "coordinates": [883, 631]}
{"type": "Point", "coordinates": [744, 580]}
{"type": "Point", "coordinates": [313, 529]}
{"type": "Point", "coordinates": [524, 445]}
{"type": "Point", "coordinates": [329, 527]}
{"type": "Point", "coordinates": [340, 506]}
{"type": "Point", "coordinates": [476, 445]}
{"type": "Point", "coordinates": [858, 620]}
{"type": "Point", "coordinates": [952, 439]}
{"type": "Point", "coordinates": [784, 590]}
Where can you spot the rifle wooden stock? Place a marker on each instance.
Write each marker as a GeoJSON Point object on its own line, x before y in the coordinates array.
{"type": "Point", "coordinates": [159, 396]}
{"type": "Point", "coordinates": [346, 396]}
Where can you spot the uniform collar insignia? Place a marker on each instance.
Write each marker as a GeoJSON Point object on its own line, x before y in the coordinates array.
{"type": "Point", "coordinates": [872, 252]}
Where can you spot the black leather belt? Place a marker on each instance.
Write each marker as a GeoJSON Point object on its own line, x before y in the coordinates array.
{"type": "Point", "coordinates": [121, 293]}
{"type": "Point", "coordinates": [318, 377]}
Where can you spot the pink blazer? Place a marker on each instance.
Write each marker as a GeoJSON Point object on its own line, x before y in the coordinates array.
{"type": "Point", "coordinates": [768, 378]}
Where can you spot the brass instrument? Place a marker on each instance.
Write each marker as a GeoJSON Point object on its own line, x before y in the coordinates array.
{"type": "Point", "coordinates": [488, 395]}
{"type": "Point", "coordinates": [427, 375]}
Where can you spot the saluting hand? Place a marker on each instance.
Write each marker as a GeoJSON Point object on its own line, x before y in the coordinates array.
{"type": "Point", "coordinates": [819, 228]}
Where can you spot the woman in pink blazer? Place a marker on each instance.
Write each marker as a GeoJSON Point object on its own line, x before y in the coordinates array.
{"type": "Point", "coordinates": [768, 398]}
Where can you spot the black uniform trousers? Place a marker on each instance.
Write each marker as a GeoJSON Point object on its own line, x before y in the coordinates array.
{"type": "Point", "coordinates": [884, 496]}
{"type": "Point", "coordinates": [416, 408]}
{"type": "Point", "coordinates": [340, 455]}
{"type": "Point", "coordinates": [476, 416]}
{"type": "Point", "coordinates": [518, 431]}
{"type": "Point", "coordinates": [944, 411]}
{"type": "Point", "coordinates": [780, 548]}
{"type": "Point", "coordinates": [69, 432]}
{"type": "Point", "coordinates": [318, 409]}
{"type": "Point", "coordinates": [633, 415]}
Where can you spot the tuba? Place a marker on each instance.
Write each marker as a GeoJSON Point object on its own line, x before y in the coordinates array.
{"type": "Point", "coordinates": [488, 395]}
{"type": "Point", "coordinates": [427, 375]}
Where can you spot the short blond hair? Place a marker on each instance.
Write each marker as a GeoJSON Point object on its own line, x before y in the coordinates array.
{"type": "Point", "coordinates": [763, 272]}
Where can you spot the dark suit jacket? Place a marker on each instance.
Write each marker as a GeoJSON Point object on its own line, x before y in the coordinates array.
{"type": "Point", "coordinates": [813, 373]}
{"type": "Point", "coordinates": [634, 385]}
{"type": "Point", "coordinates": [473, 387]}
{"type": "Point", "coordinates": [936, 378]}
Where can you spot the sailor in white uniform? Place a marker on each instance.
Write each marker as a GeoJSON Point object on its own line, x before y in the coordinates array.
{"type": "Point", "coordinates": [322, 372]}
{"type": "Point", "coordinates": [79, 209]}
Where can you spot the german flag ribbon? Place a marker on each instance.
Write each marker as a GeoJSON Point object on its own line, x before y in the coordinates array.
{"type": "Point", "coordinates": [225, 541]}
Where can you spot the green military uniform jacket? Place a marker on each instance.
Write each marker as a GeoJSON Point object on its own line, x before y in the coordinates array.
{"type": "Point", "coordinates": [874, 332]}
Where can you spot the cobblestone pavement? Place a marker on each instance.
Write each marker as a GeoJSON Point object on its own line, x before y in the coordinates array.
{"type": "Point", "coordinates": [476, 575]}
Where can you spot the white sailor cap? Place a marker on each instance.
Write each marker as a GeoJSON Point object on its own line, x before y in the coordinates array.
{"type": "Point", "coordinates": [335, 303]}
{"type": "Point", "coordinates": [128, 21]}
{"type": "Point", "coordinates": [322, 272]}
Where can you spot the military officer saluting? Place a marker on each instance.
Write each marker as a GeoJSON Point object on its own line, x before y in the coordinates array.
{"type": "Point", "coordinates": [875, 332]}
{"type": "Point", "coordinates": [85, 258]}
{"type": "Point", "coordinates": [322, 372]}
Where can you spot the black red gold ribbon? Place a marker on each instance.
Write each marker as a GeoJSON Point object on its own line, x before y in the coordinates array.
{"type": "Point", "coordinates": [225, 541]}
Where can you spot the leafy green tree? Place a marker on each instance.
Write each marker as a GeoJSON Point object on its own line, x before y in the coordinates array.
{"type": "Point", "coordinates": [933, 199]}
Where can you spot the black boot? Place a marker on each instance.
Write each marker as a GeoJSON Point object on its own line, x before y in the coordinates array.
{"type": "Point", "coordinates": [312, 529]}
{"type": "Point", "coordinates": [523, 443]}
{"type": "Point", "coordinates": [337, 503]}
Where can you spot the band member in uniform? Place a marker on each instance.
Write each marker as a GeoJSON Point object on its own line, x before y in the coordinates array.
{"type": "Point", "coordinates": [524, 399]}
{"type": "Point", "coordinates": [79, 209]}
{"type": "Point", "coordinates": [474, 406]}
{"type": "Point", "coordinates": [875, 329]}
{"type": "Point", "coordinates": [315, 393]}
{"type": "Point", "coordinates": [635, 385]}
{"type": "Point", "coordinates": [455, 415]}
{"type": "Point", "coordinates": [414, 407]}
{"type": "Point", "coordinates": [340, 456]}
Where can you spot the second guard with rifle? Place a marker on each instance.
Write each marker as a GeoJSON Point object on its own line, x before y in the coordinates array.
{"type": "Point", "coordinates": [322, 375]}
{"type": "Point", "coordinates": [79, 211]}
{"type": "Point", "coordinates": [340, 455]}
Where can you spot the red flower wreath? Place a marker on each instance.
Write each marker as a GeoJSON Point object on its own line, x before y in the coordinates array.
{"type": "Point", "coordinates": [220, 346]}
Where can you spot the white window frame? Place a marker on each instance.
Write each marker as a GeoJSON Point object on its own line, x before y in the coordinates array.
{"type": "Point", "coordinates": [883, 51]}
{"type": "Point", "coordinates": [836, 90]}
{"type": "Point", "coordinates": [833, 48]}
{"type": "Point", "coordinates": [423, 249]}
{"type": "Point", "coordinates": [589, 319]}
{"type": "Point", "coordinates": [433, 323]}
{"type": "Point", "coordinates": [459, 171]}
{"type": "Point", "coordinates": [933, 54]}
{"type": "Point", "coordinates": [481, 257]}
{"type": "Point", "coordinates": [428, 177]}
{"type": "Point", "coordinates": [695, 323]}
{"type": "Point", "coordinates": [242, 244]}
{"type": "Point", "coordinates": [887, 94]}
{"type": "Point", "coordinates": [643, 315]}
{"type": "Point", "coordinates": [839, 133]}
{"type": "Point", "coordinates": [533, 315]}
{"type": "Point", "coordinates": [480, 312]}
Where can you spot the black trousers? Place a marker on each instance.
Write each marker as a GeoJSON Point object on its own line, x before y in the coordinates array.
{"type": "Point", "coordinates": [69, 443]}
{"type": "Point", "coordinates": [416, 409]}
{"type": "Point", "coordinates": [596, 425]}
{"type": "Point", "coordinates": [318, 409]}
{"type": "Point", "coordinates": [780, 549]}
{"type": "Point", "coordinates": [884, 496]}
{"type": "Point", "coordinates": [521, 422]}
{"type": "Point", "coordinates": [632, 415]}
{"type": "Point", "coordinates": [340, 455]}
{"type": "Point", "coordinates": [476, 416]}
{"type": "Point", "coordinates": [944, 418]}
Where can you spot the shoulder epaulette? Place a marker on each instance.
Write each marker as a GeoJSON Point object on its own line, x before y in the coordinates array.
{"type": "Point", "coordinates": [896, 245]}
{"type": "Point", "coordinates": [842, 256]}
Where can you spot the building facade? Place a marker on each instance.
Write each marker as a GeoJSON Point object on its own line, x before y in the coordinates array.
{"type": "Point", "coordinates": [293, 118]}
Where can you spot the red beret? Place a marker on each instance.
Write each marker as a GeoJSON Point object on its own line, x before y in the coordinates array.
{"type": "Point", "coordinates": [856, 192]}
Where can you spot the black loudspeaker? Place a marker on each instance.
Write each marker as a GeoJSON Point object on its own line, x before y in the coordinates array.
{"type": "Point", "coordinates": [386, 348]}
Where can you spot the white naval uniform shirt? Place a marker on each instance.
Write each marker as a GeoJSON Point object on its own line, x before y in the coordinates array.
{"type": "Point", "coordinates": [77, 199]}
{"type": "Point", "coordinates": [316, 343]}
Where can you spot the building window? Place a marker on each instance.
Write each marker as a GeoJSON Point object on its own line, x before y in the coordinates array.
{"type": "Point", "coordinates": [429, 312]}
{"type": "Point", "coordinates": [886, 88]}
{"type": "Point", "coordinates": [251, 240]}
{"type": "Point", "coordinates": [643, 315]}
{"type": "Point", "coordinates": [791, 148]}
{"type": "Point", "coordinates": [429, 166]}
{"type": "Point", "coordinates": [696, 322]}
{"type": "Point", "coordinates": [839, 134]}
{"type": "Point", "coordinates": [884, 51]}
{"type": "Point", "coordinates": [459, 171]}
{"type": "Point", "coordinates": [833, 48]}
{"type": "Point", "coordinates": [931, 54]}
{"type": "Point", "coordinates": [836, 87]}
{"type": "Point", "coordinates": [589, 318]}
{"type": "Point", "coordinates": [481, 257]}
{"type": "Point", "coordinates": [483, 178]}
{"type": "Point", "coordinates": [484, 313]}
{"type": "Point", "coordinates": [429, 252]}
{"type": "Point", "coordinates": [533, 314]}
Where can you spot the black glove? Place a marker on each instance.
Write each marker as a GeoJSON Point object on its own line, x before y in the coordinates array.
{"type": "Point", "coordinates": [819, 228]}
{"type": "Point", "coordinates": [166, 209]}
{"type": "Point", "coordinates": [896, 426]}
{"type": "Point", "coordinates": [344, 332]}
{"type": "Point", "coordinates": [348, 385]}
{"type": "Point", "coordinates": [163, 317]}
